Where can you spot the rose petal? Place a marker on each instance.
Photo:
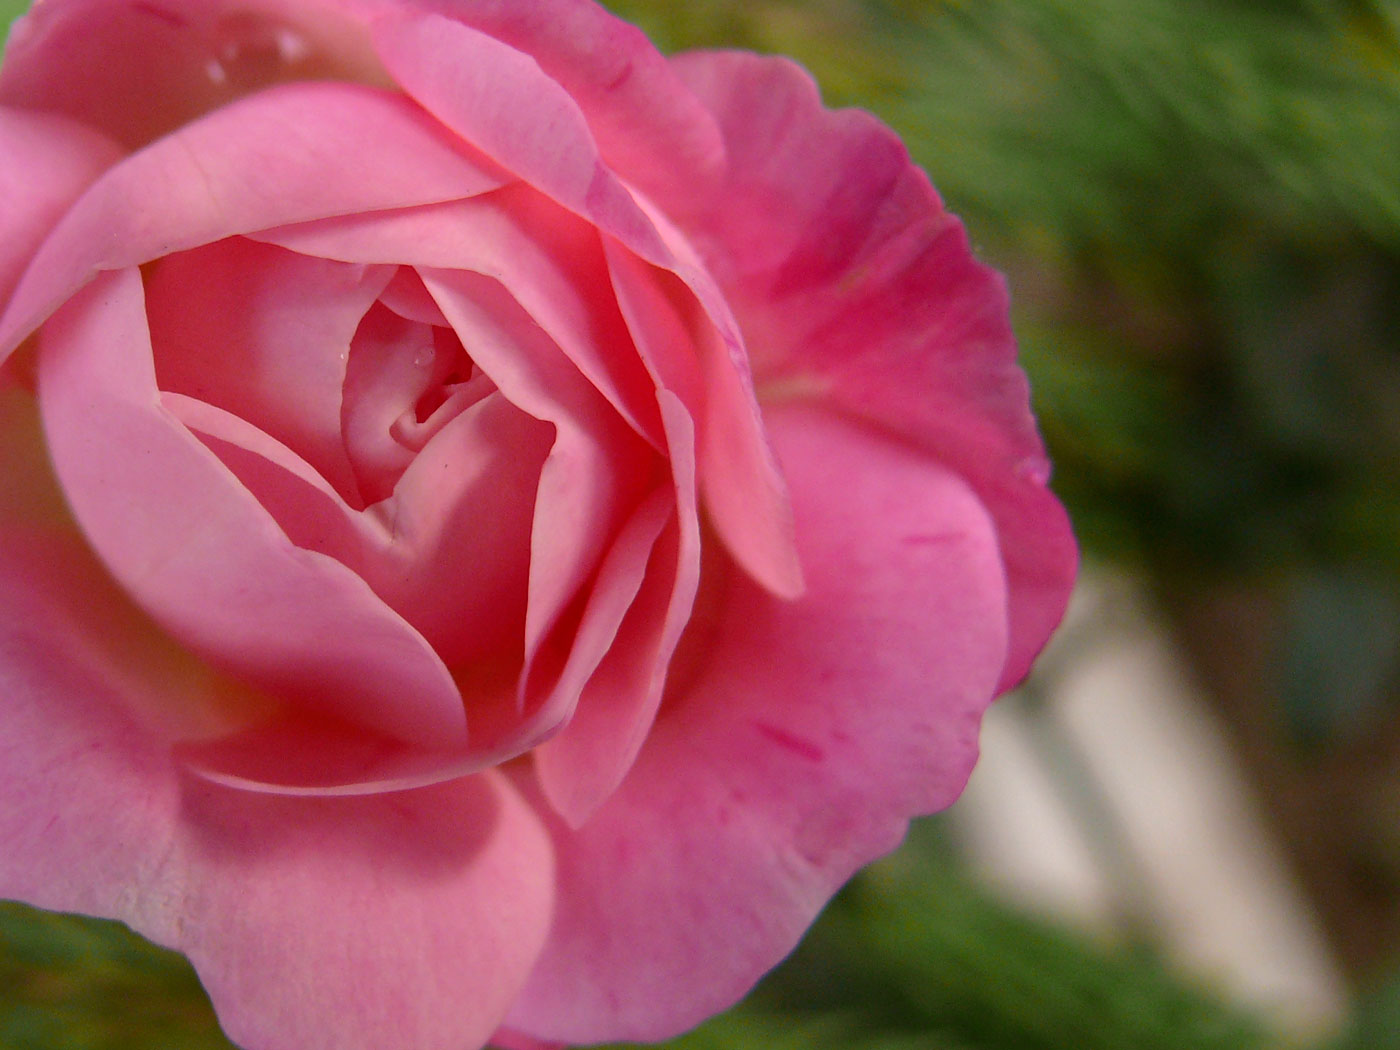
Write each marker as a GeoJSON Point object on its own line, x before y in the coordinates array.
{"type": "Point", "coordinates": [549, 259]}
{"type": "Point", "coordinates": [265, 335]}
{"type": "Point", "coordinates": [809, 734]}
{"type": "Point", "coordinates": [403, 920]}
{"type": "Point", "coordinates": [582, 766]}
{"type": "Point", "coordinates": [644, 120]}
{"type": "Point", "coordinates": [139, 70]}
{"type": "Point", "coordinates": [273, 158]}
{"type": "Point", "coordinates": [743, 489]}
{"type": "Point", "coordinates": [195, 550]}
{"type": "Point", "coordinates": [472, 83]}
{"type": "Point", "coordinates": [857, 289]}
{"type": "Point", "coordinates": [49, 161]}
{"type": "Point", "coordinates": [598, 468]}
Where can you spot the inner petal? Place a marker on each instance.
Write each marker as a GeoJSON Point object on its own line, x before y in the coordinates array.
{"type": "Point", "coordinates": [404, 381]}
{"type": "Point", "coordinates": [264, 334]}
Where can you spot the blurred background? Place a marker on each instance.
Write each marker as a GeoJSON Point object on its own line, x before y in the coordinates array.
{"type": "Point", "coordinates": [1185, 830]}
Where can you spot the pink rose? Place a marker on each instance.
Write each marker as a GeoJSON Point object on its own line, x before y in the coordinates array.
{"type": "Point", "coordinates": [498, 525]}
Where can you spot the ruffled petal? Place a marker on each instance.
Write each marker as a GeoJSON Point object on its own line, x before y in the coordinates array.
{"type": "Point", "coordinates": [806, 736]}
{"type": "Point", "coordinates": [856, 289]}
{"type": "Point", "coordinates": [289, 154]}
{"type": "Point", "coordinates": [195, 550]}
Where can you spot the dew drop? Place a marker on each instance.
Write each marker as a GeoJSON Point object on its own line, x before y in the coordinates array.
{"type": "Point", "coordinates": [425, 356]}
{"type": "Point", "coordinates": [250, 50]}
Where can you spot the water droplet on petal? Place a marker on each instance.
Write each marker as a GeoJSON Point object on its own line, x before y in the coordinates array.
{"type": "Point", "coordinates": [424, 358]}
{"type": "Point", "coordinates": [251, 50]}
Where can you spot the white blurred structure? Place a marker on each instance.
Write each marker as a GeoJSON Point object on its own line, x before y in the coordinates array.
{"type": "Point", "coordinates": [1113, 796]}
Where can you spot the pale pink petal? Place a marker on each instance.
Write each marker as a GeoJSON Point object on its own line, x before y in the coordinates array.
{"type": "Point", "coordinates": [348, 924]}
{"type": "Point", "coordinates": [195, 549]}
{"type": "Point", "coordinates": [49, 161]}
{"type": "Point", "coordinates": [312, 514]}
{"type": "Point", "coordinates": [460, 523]}
{"type": "Point", "coordinates": [56, 584]}
{"type": "Point", "coordinates": [285, 155]}
{"type": "Point", "coordinates": [584, 764]}
{"type": "Point", "coordinates": [402, 920]}
{"type": "Point", "coordinates": [796, 741]}
{"type": "Point", "coordinates": [856, 289]}
{"type": "Point", "coordinates": [449, 550]}
{"type": "Point", "coordinates": [264, 334]}
{"type": "Point", "coordinates": [610, 599]}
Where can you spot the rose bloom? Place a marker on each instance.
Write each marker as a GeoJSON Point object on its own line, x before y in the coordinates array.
{"type": "Point", "coordinates": [498, 525]}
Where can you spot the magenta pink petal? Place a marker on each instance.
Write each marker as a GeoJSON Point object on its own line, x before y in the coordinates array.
{"type": "Point", "coordinates": [807, 735]}
{"type": "Point", "coordinates": [273, 158]}
{"type": "Point", "coordinates": [195, 549]}
{"type": "Point", "coordinates": [49, 161]}
{"type": "Point", "coordinates": [857, 290]}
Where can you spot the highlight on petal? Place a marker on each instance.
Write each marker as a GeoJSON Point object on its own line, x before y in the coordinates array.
{"type": "Point", "coordinates": [794, 745]}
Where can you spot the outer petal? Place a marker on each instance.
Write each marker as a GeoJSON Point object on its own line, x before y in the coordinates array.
{"type": "Point", "coordinates": [49, 161]}
{"type": "Point", "coordinates": [346, 924]}
{"type": "Point", "coordinates": [277, 157]}
{"type": "Point", "coordinates": [856, 289]}
{"type": "Point", "coordinates": [199, 554]}
{"type": "Point", "coordinates": [807, 735]}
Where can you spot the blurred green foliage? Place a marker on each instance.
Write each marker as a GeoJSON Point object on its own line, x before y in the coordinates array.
{"type": "Point", "coordinates": [1198, 205]}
